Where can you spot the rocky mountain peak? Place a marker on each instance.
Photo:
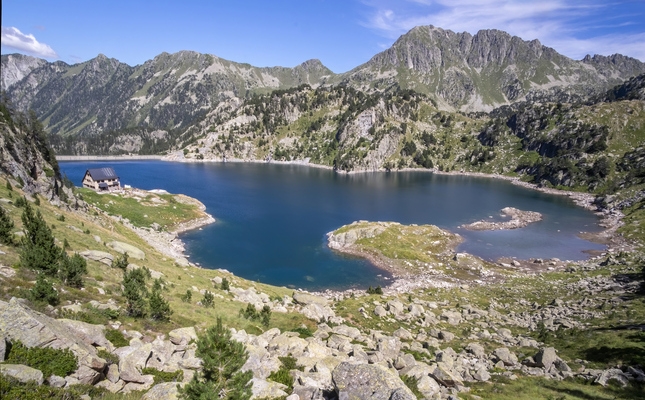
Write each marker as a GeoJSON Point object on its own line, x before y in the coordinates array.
{"type": "Point", "coordinates": [16, 66]}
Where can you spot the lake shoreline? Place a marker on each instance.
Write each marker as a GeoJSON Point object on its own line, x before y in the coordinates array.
{"type": "Point", "coordinates": [610, 219]}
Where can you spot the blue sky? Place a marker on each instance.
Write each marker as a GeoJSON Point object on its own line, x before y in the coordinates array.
{"type": "Point", "coordinates": [341, 33]}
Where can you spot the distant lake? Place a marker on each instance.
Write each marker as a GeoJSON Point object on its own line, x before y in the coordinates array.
{"type": "Point", "coordinates": [272, 219]}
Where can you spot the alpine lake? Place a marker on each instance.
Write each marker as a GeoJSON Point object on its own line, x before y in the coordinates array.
{"type": "Point", "coordinates": [272, 219]}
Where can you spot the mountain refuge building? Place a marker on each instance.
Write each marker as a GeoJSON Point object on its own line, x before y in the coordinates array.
{"type": "Point", "coordinates": [101, 179]}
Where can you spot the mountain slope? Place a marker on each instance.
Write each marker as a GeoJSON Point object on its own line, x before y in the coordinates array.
{"type": "Point", "coordinates": [172, 91]}
{"type": "Point", "coordinates": [489, 69]}
{"type": "Point", "coordinates": [104, 106]}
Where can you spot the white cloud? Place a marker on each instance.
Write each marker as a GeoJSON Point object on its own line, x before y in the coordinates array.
{"type": "Point", "coordinates": [573, 28]}
{"type": "Point", "coordinates": [14, 39]}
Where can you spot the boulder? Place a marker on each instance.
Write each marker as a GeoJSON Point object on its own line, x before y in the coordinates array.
{"type": "Point", "coordinates": [112, 387]}
{"type": "Point", "coordinates": [56, 381]}
{"type": "Point", "coordinates": [7, 272]}
{"type": "Point", "coordinates": [504, 355]}
{"type": "Point", "coordinates": [284, 345]}
{"type": "Point", "coordinates": [368, 381]}
{"type": "Point", "coordinates": [182, 336]}
{"type": "Point", "coordinates": [86, 375]}
{"type": "Point", "coordinates": [395, 307]}
{"type": "Point", "coordinates": [476, 349]}
{"type": "Point", "coordinates": [165, 391]}
{"type": "Point", "coordinates": [317, 312]}
{"type": "Point", "coordinates": [348, 331]}
{"type": "Point", "coordinates": [612, 374]}
{"type": "Point", "coordinates": [380, 311]}
{"type": "Point", "coordinates": [481, 374]}
{"type": "Point", "coordinates": [545, 357]}
{"type": "Point", "coordinates": [33, 329]}
{"type": "Point", "coordinates": [402, 334]}
{"type": "Point", "coordinates": [428, 386]}
{"type": "Point", "coordinates": [112, 373]}
{"type": "Point", "coordinates": [131, 364]}
{"type": "Point", "coordinates": [445, 375]}
{"type": "Point", "coordinates": [452, 317]}
{"type": "Point", "coordinates": [148, 381]}
{"type": "Point", "coordinates": [22, 373]}
{"type": "Point", "coordinates": [162, 351]}
{"type": "Point", "coordinates": [260, 362]}
{"type": "Point", "coordinates": [389, 347]}
{"type": "Point", "coordinates": [133, 252]}
{"type": "Point", "coordinates": [100, 256]}
{"type": "Point", "coordinates": [416, 310]}
{"type": "Point", "coordinates": [307, 299]}
{"type": "Point", "coordinates": [446, 336]}
{"type": "Point", "coordinates": [263, 389]}
{"type": "Point", "coordinates": [3, 348]}
{"type": "Point", "coordinates": [91, 334]}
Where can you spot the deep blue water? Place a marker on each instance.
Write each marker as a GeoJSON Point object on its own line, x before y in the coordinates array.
{"type": "Point", "coordinates": [272, 219]}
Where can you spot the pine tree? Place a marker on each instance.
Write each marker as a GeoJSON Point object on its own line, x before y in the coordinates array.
{"type": "Point", "coordinates": [44, 291]}
{"type": "Point", "coordinates": [39, 250]}
{"type": "Point", "coordinates": [72, 269]}
{"type": "Point", "coordinates": [134, 284]}
{"type": "Point", "coordinates": [220, 377]}
{"type": "Point", "coordinates": [207, 301]}
{"type": "Point", "coordinates": [121, 261]}
{"type": "Point", "coordinates": [6, 227]}
{"type": "Point", "coordinates": [159, 307]}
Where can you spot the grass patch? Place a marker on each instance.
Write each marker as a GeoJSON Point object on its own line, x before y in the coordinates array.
{"type": "Point", "coordinates": [144, 209]}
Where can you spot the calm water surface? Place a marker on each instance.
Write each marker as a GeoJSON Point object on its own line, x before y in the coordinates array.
{"type": "Point", "coordinates": [272, 219]}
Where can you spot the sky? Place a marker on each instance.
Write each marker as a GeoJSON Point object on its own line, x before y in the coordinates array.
{"type": "Point", "coordinates": [341, 33]}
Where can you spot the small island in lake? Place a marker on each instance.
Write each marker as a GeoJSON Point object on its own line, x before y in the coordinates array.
{"type": "Point", "coordinates": [519, 219]}
{"type": "Point", "coordinates": [417, 255]}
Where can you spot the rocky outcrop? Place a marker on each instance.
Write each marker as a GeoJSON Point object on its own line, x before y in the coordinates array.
{"type": "Point", "coordinates": [33, 329]}
{"type": "Point", "coordinates": [344, 238]}
{"type": "Point", "coordinates": [365, 381]}
{"type": "Point", "coordinates": [97, 255]}
{"type": "Point", "coordinates": [123, 248]}
{"type": "Point", "coordinates": [518, 219]}
{"type": "Point", "coordinates": [22, 373]}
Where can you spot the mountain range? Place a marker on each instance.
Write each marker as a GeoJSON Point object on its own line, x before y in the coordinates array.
{"type": "Point", "coordinates": [154, 107]}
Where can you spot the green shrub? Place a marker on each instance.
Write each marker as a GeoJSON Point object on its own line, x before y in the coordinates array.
{"type": "Point", "coordinates": [20, 202]}
{"type": "Point", "coordinates": [116, 337]}
{"type": "Point", "coordinates": [111, 358]}
{"type": "Point", "coordinates": [44, 292]}
{"type": "Point", "coordinates": [72, 269]}
{"type": "Point", "coordinates": [6, 227]}
{"type": "Point", "coordinates": [121, 261]}
{"type": "Point", "coordinates": [411, 383]}
{"type": "Point", "coordinates": [187, 297]}
{"type": "Point", "coordinates": [283, 374]}
{"type": "Point", "coordinates": [376, 290]}
{"type": "Point", "coordinates": [304, 332]}
{"type": "Point", "coordinates": [225, 285]}
{"type": "Point", "coordinates": [161, 376]}
{"type": "Point", "coordinates": [61, 362]}
{"type": "Point", "coordinates": [207, 301]}
{"type": "Point", "coordinates": [12, 389]}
